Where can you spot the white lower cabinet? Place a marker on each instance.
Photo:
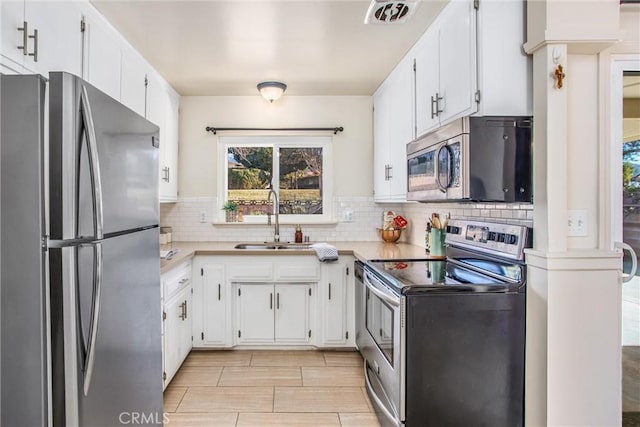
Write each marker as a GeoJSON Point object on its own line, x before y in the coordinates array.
{"type": "Point", "coordinates": [336, 302]}
{"type": "Point", "coordinates": [273, 313]}
{"type": "Point", "coordinates": [176, 319]}
{"type": "Point", "coordinates": [211, 304]}
{"type": "Point", "coordinates": [272, 300]}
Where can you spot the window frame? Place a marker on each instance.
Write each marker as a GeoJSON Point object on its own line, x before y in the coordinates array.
{"type": "Point", "coordinates": [277, 142]}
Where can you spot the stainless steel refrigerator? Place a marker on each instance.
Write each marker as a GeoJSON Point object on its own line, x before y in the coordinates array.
{"type": "Point", "coordinates": [80, 316]}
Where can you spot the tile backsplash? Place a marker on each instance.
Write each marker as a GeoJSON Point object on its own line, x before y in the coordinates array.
{"type": "Point", "coordinates": [184, 218]}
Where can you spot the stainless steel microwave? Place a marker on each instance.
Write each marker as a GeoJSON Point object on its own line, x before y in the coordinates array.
{"type": "Point", "coordinates": [473, 159]}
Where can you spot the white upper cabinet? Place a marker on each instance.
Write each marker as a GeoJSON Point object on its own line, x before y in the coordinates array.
{"type": "Point", "coordinates": [162, 109]}
{"type": "Point", "coordinates": [133, 81]}
{"type": "Point", "coordinates": [446, 68]}
{"type": "Point", "coordinates": [102, 55]}
{"type": "Point", "coordinates": [393, 129]}
{"type": "Point", "coordinates": [427, 79]}
{"type": "Point", "coordinates": [41, 36]}
{"type": "Point", "coordinates": [505, 72]}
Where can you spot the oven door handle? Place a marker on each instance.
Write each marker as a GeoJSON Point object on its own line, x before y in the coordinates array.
{"type": "Point", "coordinates": [376, 400]}
{"type": "Point", "coordinates": [383, 296]}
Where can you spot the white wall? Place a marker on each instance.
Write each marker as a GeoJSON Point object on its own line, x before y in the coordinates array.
{"type": "Point", "coordinates": [352, 149]}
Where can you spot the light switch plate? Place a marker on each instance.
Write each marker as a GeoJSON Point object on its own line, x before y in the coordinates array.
{"type": "Point", "coordinates": [203, 216]}
{"type": "Point", "coordinates": [577, 223]}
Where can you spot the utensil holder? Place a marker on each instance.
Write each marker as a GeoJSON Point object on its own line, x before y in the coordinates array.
{"type": "Point", "coordinates": [437, 243]}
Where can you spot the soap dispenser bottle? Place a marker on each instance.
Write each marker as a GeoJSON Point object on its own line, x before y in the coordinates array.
{"type": "Point", "coordinates": [298, 234]}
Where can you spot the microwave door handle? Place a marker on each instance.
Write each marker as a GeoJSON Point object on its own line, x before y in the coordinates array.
{"type": "Point", "coordinates": [437, 169]}
{"type": "Point", "coordinates": [390, 300]}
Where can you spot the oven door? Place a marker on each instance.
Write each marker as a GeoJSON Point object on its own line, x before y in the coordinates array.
{"type": "Point", "coordinates": [383, 350]}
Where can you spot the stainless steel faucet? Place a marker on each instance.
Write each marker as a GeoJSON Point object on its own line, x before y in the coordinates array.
{"type": "Point", "coordinates": [276, 208]}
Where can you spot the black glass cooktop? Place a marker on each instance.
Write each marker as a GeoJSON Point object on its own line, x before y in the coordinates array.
{"type": "Point", "coordinates": [441, 275]}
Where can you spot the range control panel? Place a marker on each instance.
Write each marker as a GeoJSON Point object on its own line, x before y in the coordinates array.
{"type": "Point", "coordinates": [501, 239]}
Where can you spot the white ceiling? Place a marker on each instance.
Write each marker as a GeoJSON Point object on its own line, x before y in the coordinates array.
{"type": "Point", "coordinates": [225, 47]}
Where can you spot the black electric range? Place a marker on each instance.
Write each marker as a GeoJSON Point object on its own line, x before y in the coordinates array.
{"type": "Point", "coordinates": [443, 340]}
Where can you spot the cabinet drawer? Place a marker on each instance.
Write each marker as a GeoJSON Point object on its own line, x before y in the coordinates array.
{"type": "Point", "coordinates": [298, 272]}
{"type": "Point", "coordinates": [255, 271]}
{"type": "Point", "coordinates": [176, 279]}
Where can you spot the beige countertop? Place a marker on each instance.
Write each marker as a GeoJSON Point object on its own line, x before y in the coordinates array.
{"type": "Point", "coordinates": [361, 250]}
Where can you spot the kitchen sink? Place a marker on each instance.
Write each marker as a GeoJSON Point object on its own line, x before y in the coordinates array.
{"type": "Point", "coordinates": [272, 246]}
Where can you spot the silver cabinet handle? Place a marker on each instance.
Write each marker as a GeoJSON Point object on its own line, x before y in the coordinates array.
{"type": "Point", "coordinates": [435, 102]}
{"type": "Point", "coordinates": [389, 172]}
{"type": "Point", "coordinates": [219, 293]}
{"type": "Point", "coordinates": [186, 309]}
{"type": "Point", "coordinates": [434, 113]}
{"type": "Point", "coordinates": [35, 45]}
{"type": "Point", "coordinates": [166, 177]}
{"type": "Point", "coordinates": [329, 290]}
{"type": "Point", "coordinates": [278, 301]}
{"type": "Point", "coordinates": [183, 281]}
{"type": "Point", "coordinates": [25, 37]}
{"type": "Point", "coordinates": [271, 301]}
{"type": "Point", "coordinates": [183, 314]}
{"type": "Point", "coordinates": [95, 318]}
{"type": "Point", "coordinates": [94, 163]}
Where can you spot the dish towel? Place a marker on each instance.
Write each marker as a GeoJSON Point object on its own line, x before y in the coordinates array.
{"type": "Point", "coordinates": [168, 254]}
{"type": "Point", "coordinates": [325, 252]}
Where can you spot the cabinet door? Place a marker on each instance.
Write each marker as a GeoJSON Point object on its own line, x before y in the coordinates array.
{"type": "Point", "coordinates": [255, 306]}
{"type": "Point", "coordinates": [101, 60]}
{"type": "Point", "coordinates": [426, 53]}
{"type": "Point", "coordinates": [172, 327]}
{"type": "Point", "coordinates": [381, 144]}
{"type": "Point", "coordinates": [457, 67]}
{"type": "Point", "coordinates": [401, 127]}
{"type": "Point", "coordinates": [292, 313]}
{"type": "Point", "coordinates": [185, 334]}
{"type": "Point", "coordinates": [133, 84]}
{"type": "Point", "coordinates": [214, 305]}
{"type": "Point", "coordinates": [59, 41]}
{"type": "Point", "coordinates": [12, 17]}
{"type": "Point", "coordinates": [334, 301]}
{"type": "Point", "coordinates": [169, 155]}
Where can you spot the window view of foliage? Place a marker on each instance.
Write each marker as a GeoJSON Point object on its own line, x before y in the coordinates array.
{"type": "Point", "coordinates": [631, 167]}
{"type": "Point", "coordinates": [299, 182]}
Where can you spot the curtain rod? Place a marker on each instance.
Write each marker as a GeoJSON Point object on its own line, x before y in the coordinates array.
{"type": "Point", "coordinates": [335, 130]}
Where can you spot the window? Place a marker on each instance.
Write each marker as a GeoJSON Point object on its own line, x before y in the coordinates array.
{"type": "Point", "coordinates": [298, 167]}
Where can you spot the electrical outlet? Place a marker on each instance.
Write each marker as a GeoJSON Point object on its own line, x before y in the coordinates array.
{"type": "Point", "coordinates": [203, 216]}
{"type": "Point", "coordinates": [577, 223]}
{"type": "Point", "coordinates": [347, 215]}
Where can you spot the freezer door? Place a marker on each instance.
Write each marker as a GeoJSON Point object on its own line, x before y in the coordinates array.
{"type": "Point", "coordinates": [107, 351]}
{"type": "Point", "coordinates": [103, 163]}
{"type": "Point", "coordinates": [23, 294]}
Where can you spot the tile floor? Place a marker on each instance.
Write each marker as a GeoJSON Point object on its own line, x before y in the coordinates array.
{"type": "Point", "coordinates": [269, 388]}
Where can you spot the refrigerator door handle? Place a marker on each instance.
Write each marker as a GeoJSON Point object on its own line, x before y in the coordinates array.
{"type": "Point", "coordinates": [94, 163]}
{"type": "Point", "coordinates": [95, 317]}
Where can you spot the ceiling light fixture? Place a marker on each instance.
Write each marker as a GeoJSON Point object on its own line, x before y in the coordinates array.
{"type": "Point", "coordinates": [271, 90]}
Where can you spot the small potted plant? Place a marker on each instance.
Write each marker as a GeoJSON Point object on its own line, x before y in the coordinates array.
{"type": "Point", "coordinates": [231, 211]}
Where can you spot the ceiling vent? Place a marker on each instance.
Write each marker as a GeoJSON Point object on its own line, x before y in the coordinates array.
{"type": "Point", "coordinates": [390, 12]}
